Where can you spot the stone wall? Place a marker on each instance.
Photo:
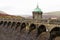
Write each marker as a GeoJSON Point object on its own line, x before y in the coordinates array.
{"type": "Point", "coordinates": [8, 33]}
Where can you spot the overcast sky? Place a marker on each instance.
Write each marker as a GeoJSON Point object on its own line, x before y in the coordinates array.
{"type": "Point", "coordinates": [25, 7]}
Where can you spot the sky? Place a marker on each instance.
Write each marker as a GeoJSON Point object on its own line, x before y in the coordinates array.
{"type": "Point", "coordinates": [25, 7]}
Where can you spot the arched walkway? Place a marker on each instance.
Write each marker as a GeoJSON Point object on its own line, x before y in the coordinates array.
{"type": "Point", "coordinates": [9, 23]}
{"type": "Point", "coordinates": [23, 25]}
{"type": "Point", "coordinates": [32, 27]}
{"type": "Point", "coordinates": [1, 22]}
{"type": "Point", "coordinates": [54, 33]}
{"type": "Point", "coordinates": [13, 24]}
{"type": "Point", "coordinates": [41, 29]}
{"type": "Point", "coordinates": [4, 23]}
{"type": "Point", "coordinates": [17, 25]}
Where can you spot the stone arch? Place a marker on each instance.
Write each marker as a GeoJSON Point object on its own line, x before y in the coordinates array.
{"type": "Point", "coordinates": [17, 25]}
{"type": "Point", "coordinates": [27, 23]}
{"type": "Point", "coordinates": [1, 22]}
{"type": "Point", "coordinates": [13, 24]}
{"type": "Point", "coordinates": [5, 22]}
{"type": "Point", "coordinates": [55, 32]}
{"type": "Point", "coordinates": [32, 27]}
{"type": "Point", "coordinates": [41, 29]}
{"type": "Point", "coordinates": [23, 25]}
{"type": "Point", "coordinates": [9, 23]}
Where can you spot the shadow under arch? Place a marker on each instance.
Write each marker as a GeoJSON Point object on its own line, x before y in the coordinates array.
{"type": "Point", "coordinates": [1, 22]}
{"type": "Point", "coordinates": [54, 33]}
{"type": "Point", "coordinates": [32, 27]}
{"type": "Point", "coordinates": [17, 25]}
{"type": "Point", "coordinates": [13, 24]}
{"type": "Point", "coordinates": [9, 23]}
{"type": "Point", "coordinates": [5, 22]}
{"type": "Point", "coordinates": [23, 25]}
{"type": "Point", "coordinates": [40, 29]}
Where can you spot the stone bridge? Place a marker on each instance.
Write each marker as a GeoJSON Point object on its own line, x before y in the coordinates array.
{"type": "Point", "coordinates": [24, 27]}
{"type": "Point", "coordinates": [28, 22]}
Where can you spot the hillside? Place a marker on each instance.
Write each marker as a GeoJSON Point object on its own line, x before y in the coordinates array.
{"type": "Point", "coordinates": [47, 15]}
{"type": "Point", "coordinates": [5, 15]}
{"type": "Point", "coordinates": [51, 14]}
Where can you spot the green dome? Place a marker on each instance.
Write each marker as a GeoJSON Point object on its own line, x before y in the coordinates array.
{"type": "Point", "coordinates": [37, 9]}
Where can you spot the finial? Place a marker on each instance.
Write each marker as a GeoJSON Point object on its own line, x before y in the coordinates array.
{"type": "Point", "coordinates": [37, 4]}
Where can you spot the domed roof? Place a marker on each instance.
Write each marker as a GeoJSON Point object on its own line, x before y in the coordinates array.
{"type": "Point", "coordinates": [37, 9]}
